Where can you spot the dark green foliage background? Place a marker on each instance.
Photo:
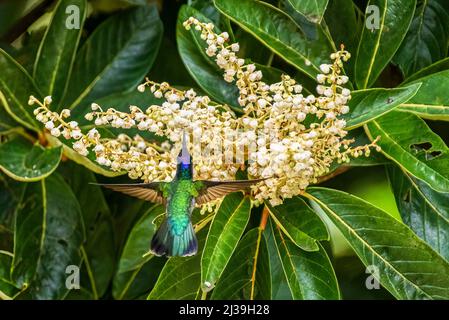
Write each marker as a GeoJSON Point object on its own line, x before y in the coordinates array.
{"type": "Point", "coordinates": [390, 210]}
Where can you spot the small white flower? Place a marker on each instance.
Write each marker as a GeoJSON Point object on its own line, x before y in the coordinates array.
{"type": "Point", "coordinates": [321, 78]}
{"type": "Point", "coordinates": [55, 132]}
{"type": "Point", "coordinates": [325, 68]}
{"type": "Point", "coordinates": [76, 134]}
{"type": "Point", "coordinates": [346, 92]}
{"type": "Point", "coordinates": [49, 125]}
{"type": "Point", "coordinates": [344, 109]}
{"type": "Point", "coordinates": [73, 124]}
{"type": "Point", "coordinates": [47, 100]}
{"type": "Point", "coordinates": [262, 103]}
{"type": "Point", "coordinates": [31, 100]}
{"type": "Point", "coordinates": [141, 88]}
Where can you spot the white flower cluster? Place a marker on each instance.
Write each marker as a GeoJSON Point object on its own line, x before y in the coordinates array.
{"type": "Point", "coordinates": [287, 137]}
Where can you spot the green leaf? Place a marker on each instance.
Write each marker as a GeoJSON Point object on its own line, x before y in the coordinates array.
{"type": "Point", "coordinates": [313, 10]}
{"type": "Point", "coordinates": [426, 40]}
{"type": "Point", "coordinates": [408, 141]}
{"type": "Point", "coordinates": [227, 227]}
{"type": "Point", "coordinates": [10, 198]}
{"type": "Point", "coordinates": [16, 86]}
{"type": "Point", "coordinates": [7, 123]}
{"type": "Point", "coordinates": [344, 31]}
{"type": "Point", "coordinates": [99, 249]}
{"type": "Point", "coordinates": [279, 285]}
{"type": "Point", "coordinates": [367, 105]}
{"type": "Point", "coordinates": [424, 210]}
{"type": "Point", "coordinates": [247, 276]}
{"type": "Point", "coordinates": [431, 101]}
{"type": "Point", "coordinates": [438, 66]}
{"type": "Point", "coordinates": [180, 279]}
{"type": "Point", "coordinates": [48, 238]}
{"type": "Point", "coordinates": [23, 161]}
{"type": "Point", "coordinates": [116, 56]}
{"type": "Point", "coordinates": [299, 223]}
{"type": "Point", "coordinates": [57, 51]}
{"type": "Point", "coordinates": [377, 46]}
{"type": "Point", "coordinates": [249, 47]}
{"type": "Point", "coordinates": [310, 275]}
{"type": "Point", "coordinates": [277, 31]}
{"type": "Point", "coordinates": [138, 243]}
{"type": "Point", "coordinates": [408, 267]}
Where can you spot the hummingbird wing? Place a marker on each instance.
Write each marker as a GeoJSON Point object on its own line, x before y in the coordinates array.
{"type": "Point", "coordinates": [217, 189]}
{"type": "Point", "coordinates": [146, 191]}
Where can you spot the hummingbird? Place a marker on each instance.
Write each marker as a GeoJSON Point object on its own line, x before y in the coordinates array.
{"type": "Point", "coordinates": [176, 236]}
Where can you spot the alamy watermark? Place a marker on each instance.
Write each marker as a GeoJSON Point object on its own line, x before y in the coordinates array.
{"type": "Point", "coordinates": [372, 281]}
{"type": "Point", "coordinates": [72, 281]}
{"type": "Point", "coordinates": [73, 21]}
{"type": "Point", "coordinates": [372, 17]}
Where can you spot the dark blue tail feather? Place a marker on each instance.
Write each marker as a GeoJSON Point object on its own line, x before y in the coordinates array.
{"type": "Point", "coordinates": [165, 243]}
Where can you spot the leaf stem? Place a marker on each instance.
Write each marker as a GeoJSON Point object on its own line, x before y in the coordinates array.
{"type": "Point", "coordinates": [262, 226]}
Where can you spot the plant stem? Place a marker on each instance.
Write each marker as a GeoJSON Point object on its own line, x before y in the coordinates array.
{"type": "Point", "coordinates": [262, 226]}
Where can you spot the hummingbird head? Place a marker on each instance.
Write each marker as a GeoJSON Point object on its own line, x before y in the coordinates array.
{"type": "Point", "coordinates": [185, 168]}
{"type": "Point", "coordinates": [184, 157]}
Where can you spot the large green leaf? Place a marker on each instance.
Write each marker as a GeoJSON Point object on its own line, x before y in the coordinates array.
{"type": "Point", "coordinates": [438, 66]}
{"type": "Point", "coordinates": [99, 250]}
{"type": "Point", "coordinates": [48, 237]}
{"type": "Point", "coordinates": [431, 101]}
{"type": "Point", "coordinates": [23, 161]}
{"type": "Point", "coordinates": [408, 141]}
{"type": "Point", "coordinates": [367, 105]}
{"type": "Point", "coordinates": [423, 209]}
{"type": "Point", "coordinates": [407, 266]}
{"type": "Point", "coordinates": [10, 198]}
{"type": "Point", "coordinates": [57, 50]}
{"type": "Point", "coordinates": [16, 86]}
{"type": "Point", "coordinates": [116, 56]}
{"type": "Point", "coordinates": [224, 234]}
{"type": "Point", "coordinates": [278, 32]}
{"type": "Point", "coordinates": [279, 285]}
{"type": "Point", "coordinates": [181, 277]}
{"type": "Point", "coordinates": [377, 46]}
{"type": "Point", "coordinates": [309, 275]}
{"type": "Point", "coordinates": [138, 243]}
{"type": "Point", "coordinates": [426, 40]}
{"type": "Point", "coordinates": [247, 276]}
{"type": "Point", "coordinates": [313, 10]}
{"type": "Point", "coordinates": [299, 223]}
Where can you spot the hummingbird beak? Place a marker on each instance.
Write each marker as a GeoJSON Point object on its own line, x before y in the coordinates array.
{"type": "Point", "coordinates": [184, 155]}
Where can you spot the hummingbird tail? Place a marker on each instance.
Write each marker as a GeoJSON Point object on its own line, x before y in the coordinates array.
{"type": "Point", "coordinates": [166, 243]}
